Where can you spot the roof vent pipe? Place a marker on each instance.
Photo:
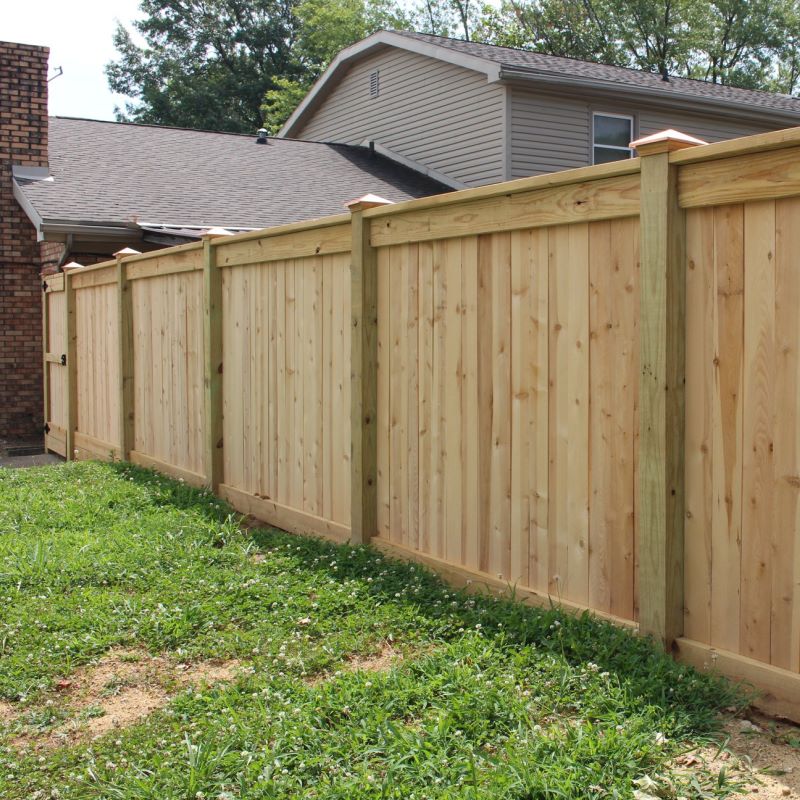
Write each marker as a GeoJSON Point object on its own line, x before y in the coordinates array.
{"type": "Point", "coordinates": [262, 136]}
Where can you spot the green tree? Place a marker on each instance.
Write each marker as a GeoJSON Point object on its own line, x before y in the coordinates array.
{"type": "Point", "coordinates": [723, 41]}
{"type": "Point", "coordinates": [205, 63]}
{"type": "Point", "coordinates": [743, 41]}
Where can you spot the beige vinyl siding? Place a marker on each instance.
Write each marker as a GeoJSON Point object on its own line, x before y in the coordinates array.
{"type": "Point", "coordinates": [549, 133]}
{"type": "Point", "coordinates": [442, 116]}
{"type": "Point", "coordinates": [705, 127]}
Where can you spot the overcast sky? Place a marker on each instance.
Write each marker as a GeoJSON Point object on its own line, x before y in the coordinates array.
{"type": "Point", "coordinates": [78, 34]}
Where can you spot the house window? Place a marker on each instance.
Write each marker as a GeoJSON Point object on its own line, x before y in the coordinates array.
{"type": "Point", "coordinates": [374, 84]}
{"type": "Point", "coordinates": [612, 135]}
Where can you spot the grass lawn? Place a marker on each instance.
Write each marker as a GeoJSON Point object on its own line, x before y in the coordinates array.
{"type": "Point", "coordinates": [345, 674]}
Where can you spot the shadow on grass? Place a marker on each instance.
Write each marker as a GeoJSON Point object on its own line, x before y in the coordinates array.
{"type": "Point", "coordinates": [647, 675]}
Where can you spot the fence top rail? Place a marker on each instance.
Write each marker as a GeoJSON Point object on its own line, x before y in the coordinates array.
{"type": "Point", "coordinates": [760, 142]}
{"type": "Point", "coordinates": [91, 268]}
{"type": "Point", "coordinates": [279, 230]}
{"type": "Point", "coordinates": [163, 251]}
{"type": "Point", "coordinates": [139, 257]}
{"type": "Point", "coordinates": [548, 181]}
{"type": "Point", "coordinates": [261, 233]}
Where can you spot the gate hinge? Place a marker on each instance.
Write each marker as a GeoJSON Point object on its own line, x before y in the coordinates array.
{"type": "Point", "coordinates": [44, 286]}
{"type": "Point", "coordinates": [46, 427]}
{"type": "Point", "coordinates": [63, 359]}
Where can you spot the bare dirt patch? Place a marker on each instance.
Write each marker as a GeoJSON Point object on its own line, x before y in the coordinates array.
{"type": "Point", "coordinates": [762, 753]}
{"type": "Point", "coordinates": [121, 688]}
{"type": "Point", "coordinates": [384, 659]}
{"type": "Point", "coordinates": [7, 712]}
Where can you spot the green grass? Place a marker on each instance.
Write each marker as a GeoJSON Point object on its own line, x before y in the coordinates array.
{"type": "Point", "coordinates": [491, 700]}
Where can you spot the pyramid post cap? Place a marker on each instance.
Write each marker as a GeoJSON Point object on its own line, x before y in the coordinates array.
{"type": "Point", "coordinates": [127, 251]}
{"type": "Point", "coordinates": [664, 142]}
{"type": "Point", "coordinates": [72, 265]}
{"type": "Point", "coordinates": [367, 201]}
{"type": "Point", "coordinates": [212, 233]}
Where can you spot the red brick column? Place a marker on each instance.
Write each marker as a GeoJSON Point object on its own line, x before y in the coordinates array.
{"type": "Point", "coordinates": [23, 141]}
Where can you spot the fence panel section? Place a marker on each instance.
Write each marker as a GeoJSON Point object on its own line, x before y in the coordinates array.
{"type": "Point", "coordinates": [286, 382]}
{"type": "Point", "coordinates": [743, 429]}
{"type": "Point", "coordinates": [742, 537]}
{"type": "Point", "coordinates": [97, 365]}
{"type": "Point", "coordinates": [507, 397]}
{"type": "Point", "coordinates": [168, 362]}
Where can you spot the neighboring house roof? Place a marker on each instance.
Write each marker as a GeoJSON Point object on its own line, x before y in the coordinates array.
{"type": "Point", "coordinates": [509, 64]}
{"type": "Point", "coordinates": [107, 174]}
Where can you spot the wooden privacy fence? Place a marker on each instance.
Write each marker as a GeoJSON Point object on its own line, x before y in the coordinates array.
{"type": "Point", "coordinates": [584, 384]}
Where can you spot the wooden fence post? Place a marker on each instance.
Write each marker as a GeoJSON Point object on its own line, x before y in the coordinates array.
{"type": "Point", "coordinates": [125, 356]}
{"type": "Point", "coordinates": [212, 350]}
{"type": "Point", "coordinates": [662, 338]}
{"type": "Point", "coordinates": [71, 342]}
{"type": "Point", "coordinates": [363, 374]}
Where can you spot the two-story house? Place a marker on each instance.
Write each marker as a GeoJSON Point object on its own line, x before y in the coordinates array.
{"type": "Point", "coordinates": [471, 114]}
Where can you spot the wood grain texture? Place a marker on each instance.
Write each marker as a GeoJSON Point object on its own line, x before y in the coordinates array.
{"type": "Point", "coordinates": [701, 316]}
{"type": "Point", "coordinates": [71, 371]}
{"type": "Point", "coordinates": [470, 371]}
{"type": "Point", "coordinates": [363, 340]}
{"type": "Point", "coordinates": [785, 639]}
{"type": "Point", "coordinates": [726, 389]}
{"type": "Point", "coordinates": [608, 198]}
{"type": "Point", "coordinates": [759, 408]}
{"type": "Point", "coordinates": [286, 383]}
{"type": "Point", "coordinates": [614, 356]}
{"type": "Point", "coordinates": [661, 394]}
{"type": "Point", "coordinates": [97, 362]}
{"type": "Point", "coordinates": [125, 402]}
{"type": "Point", "coordinates": [756, 176]}
{"type": "Point", "coordinates": [169, 369]}
{"type": "Point", "coordinates": [317, 241]}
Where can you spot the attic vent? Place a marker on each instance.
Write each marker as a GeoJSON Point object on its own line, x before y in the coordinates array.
{"type": "Point", "coordinates": [374, 84]}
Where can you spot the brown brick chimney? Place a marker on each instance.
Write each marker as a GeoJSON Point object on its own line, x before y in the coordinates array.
{"type": "Point", "coordinates": [23, 141]}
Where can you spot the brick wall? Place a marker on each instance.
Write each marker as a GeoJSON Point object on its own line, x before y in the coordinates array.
{"type": "Point", "coordinates": [23, 140]}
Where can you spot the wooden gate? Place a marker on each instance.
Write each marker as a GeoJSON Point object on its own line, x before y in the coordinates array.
{"type": "Point", "coordinates": [54, 336]}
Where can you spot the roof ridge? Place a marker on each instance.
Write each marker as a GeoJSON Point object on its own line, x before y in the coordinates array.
{"type": "Point", "coordinates": [152, 125]}
{"type": "Point", "coordinates": [635, 70]}
{"type": "Point", "coordinates": [147, 125]}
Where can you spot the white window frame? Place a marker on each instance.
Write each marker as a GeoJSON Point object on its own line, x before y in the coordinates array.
{"type": "Point", "coordinates": [627, 150]}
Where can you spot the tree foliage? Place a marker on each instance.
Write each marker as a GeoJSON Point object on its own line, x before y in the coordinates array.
{"type": "Point", "coordinates": [737, 42]}
{"type": "Point", "coordinates": [234, 65]}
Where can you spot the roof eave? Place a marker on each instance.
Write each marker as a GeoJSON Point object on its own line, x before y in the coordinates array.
{"type": "Point", "coordinates": [672, 99]}
{"type": "Point", "coordinates": [55, 230]}
{"type": "Point", "coordinates": [377, 40]}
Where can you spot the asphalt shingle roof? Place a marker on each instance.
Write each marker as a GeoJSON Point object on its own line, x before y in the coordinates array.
{"type": "Point", "coordinates": [118, 173]}
{"type": "Point", "coordinates": [542, 63]}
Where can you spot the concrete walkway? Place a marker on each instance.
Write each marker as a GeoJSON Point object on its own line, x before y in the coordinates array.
{"type": "Point", "coordinates": [18, 462]}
